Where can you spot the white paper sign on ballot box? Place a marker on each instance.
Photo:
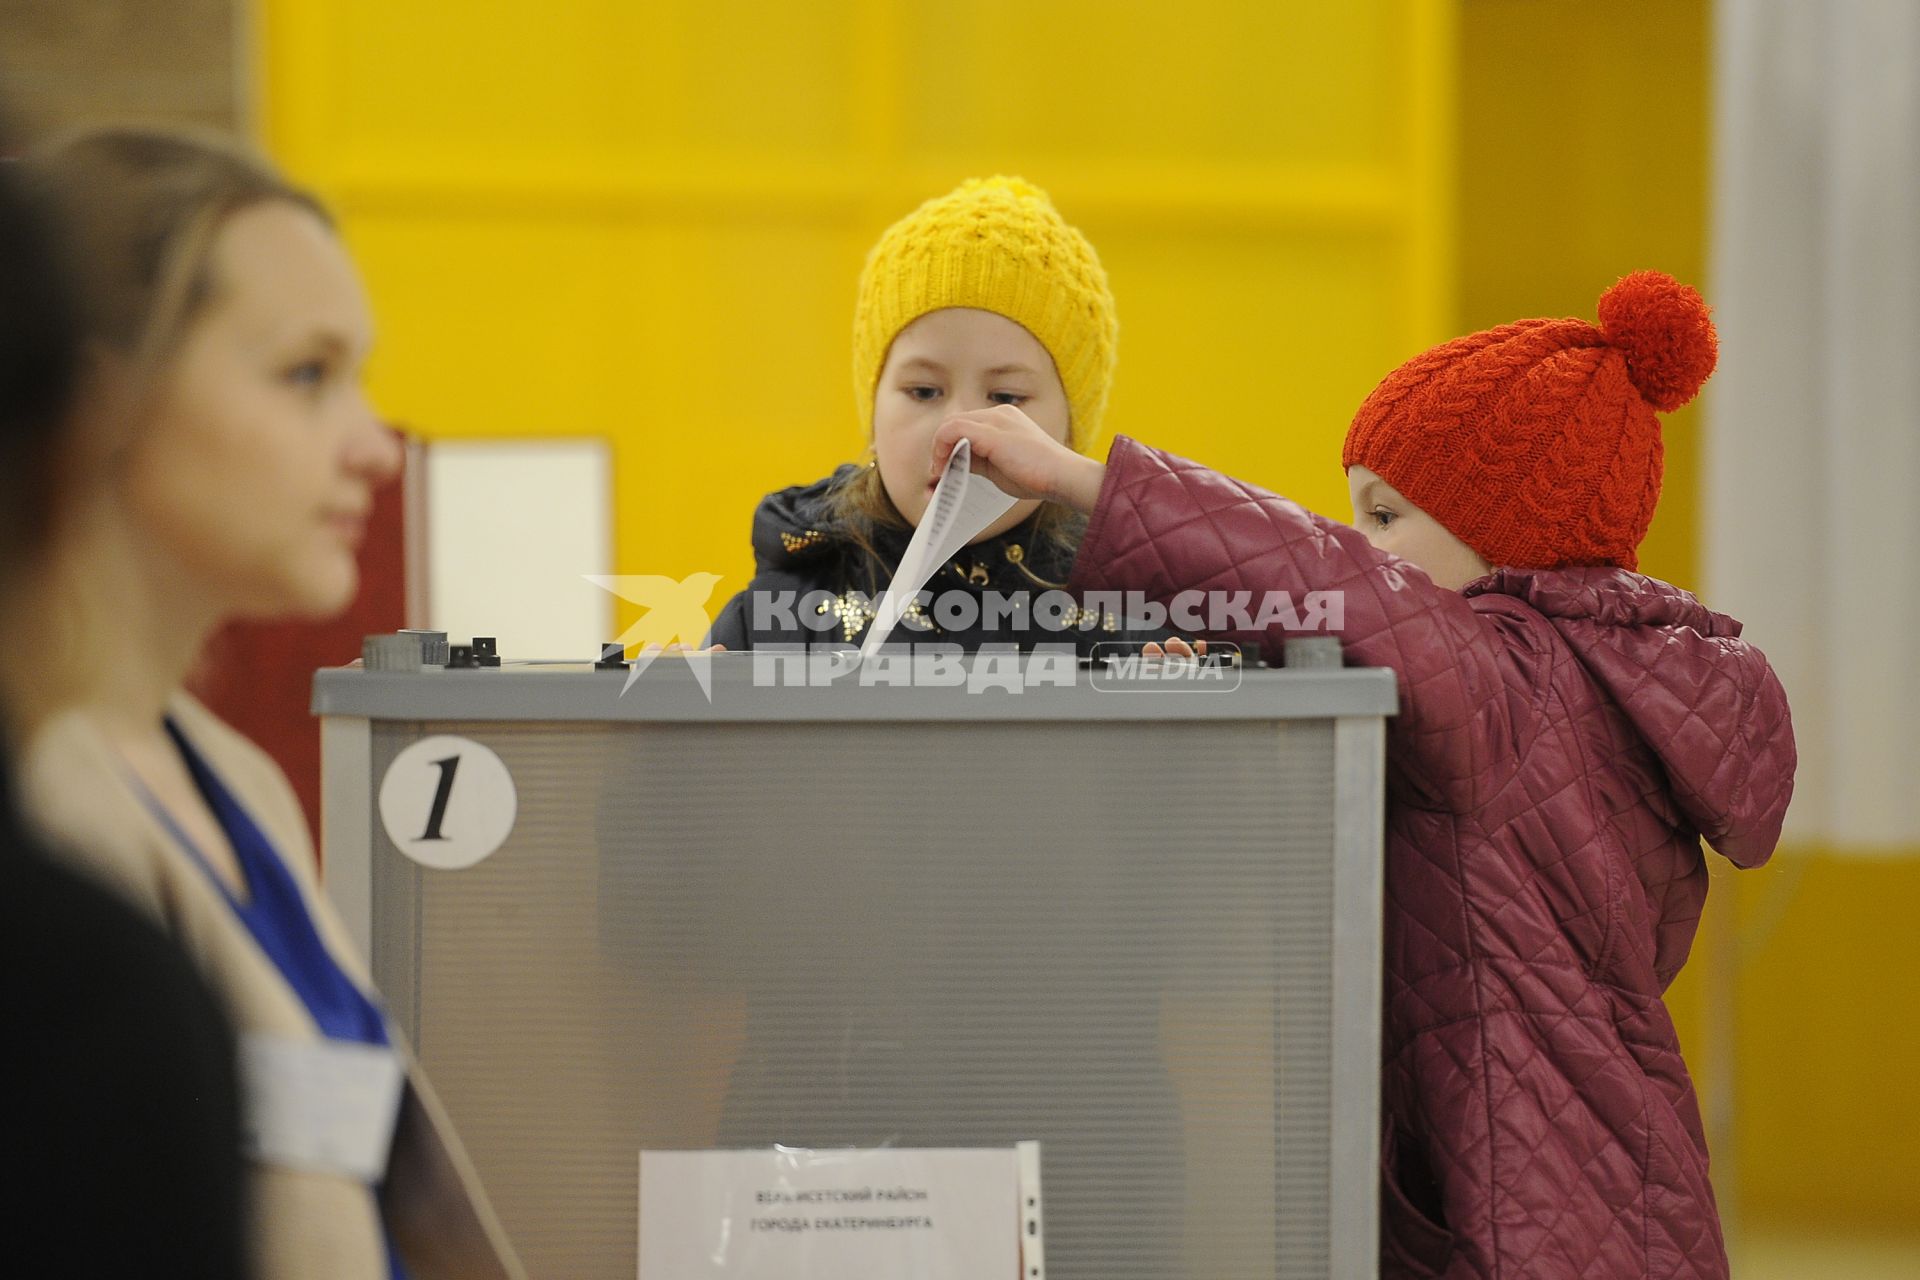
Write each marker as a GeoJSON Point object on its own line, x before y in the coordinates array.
{"type": "Point", "coordinates": [850, 1214]}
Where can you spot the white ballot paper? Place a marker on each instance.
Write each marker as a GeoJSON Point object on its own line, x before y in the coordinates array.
{"type": "Point", "coordinates": [962, 505]}
{"type": "Point", "coordinates": [852, 1214]}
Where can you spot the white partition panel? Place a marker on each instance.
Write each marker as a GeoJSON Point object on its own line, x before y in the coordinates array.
{"type": "Point", "coordinates": [512, 527]}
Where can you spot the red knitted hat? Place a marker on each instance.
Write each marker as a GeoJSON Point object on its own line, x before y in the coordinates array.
{"type": "Point", "coordinates": [1536, 443]}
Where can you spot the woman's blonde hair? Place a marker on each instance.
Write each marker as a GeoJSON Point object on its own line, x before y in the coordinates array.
{"type": "Point", "coordinates": [138, 212]}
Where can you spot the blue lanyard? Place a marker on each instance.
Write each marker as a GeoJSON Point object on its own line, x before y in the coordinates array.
{"type": "Point", "coordinates": [275, 913]}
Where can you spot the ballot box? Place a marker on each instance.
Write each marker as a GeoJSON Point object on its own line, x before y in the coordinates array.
{"type": "Point", "coordinates": [1136, 920]}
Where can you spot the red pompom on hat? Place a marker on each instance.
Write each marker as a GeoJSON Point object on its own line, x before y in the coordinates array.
{"type": "Point", "coordinates": [1536, 443]}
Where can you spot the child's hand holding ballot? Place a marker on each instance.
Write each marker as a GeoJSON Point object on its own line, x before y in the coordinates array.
{"type": "Point", "coordinates": [1010, 449]}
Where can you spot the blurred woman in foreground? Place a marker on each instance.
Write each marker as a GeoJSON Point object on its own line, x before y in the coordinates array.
{"type": "Point", "coordinates": [224, 459]}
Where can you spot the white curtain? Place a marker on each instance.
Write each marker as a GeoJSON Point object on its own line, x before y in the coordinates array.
{"type": "Point", "coordinates": [1812, 512]}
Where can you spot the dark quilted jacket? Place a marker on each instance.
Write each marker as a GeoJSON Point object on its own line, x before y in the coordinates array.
{"type": "Point", "coordinates": [1565, 740]}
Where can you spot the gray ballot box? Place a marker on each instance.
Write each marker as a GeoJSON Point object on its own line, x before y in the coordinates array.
{"type": "Point", "coordinates": [1137, 921]}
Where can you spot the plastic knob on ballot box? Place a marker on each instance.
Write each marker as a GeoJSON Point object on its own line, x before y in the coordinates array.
{"type": "Point", "coordinates": [1312, 653]}
{"type": "Point", "coordinates": [390, 653]}
{"type": "Point", "coordinates": [433, 645]}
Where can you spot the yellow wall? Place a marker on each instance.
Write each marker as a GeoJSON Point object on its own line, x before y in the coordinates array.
{"type": "Point", "coordinates": [1831, 1132]}
{"type": "Point", "coordinates": [645, 221]}
{"type": "Point", "coordinates": [1585, 136]}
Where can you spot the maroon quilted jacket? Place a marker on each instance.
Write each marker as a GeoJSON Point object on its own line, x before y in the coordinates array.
{"type": "Point", "coordinates": [1565, 740]}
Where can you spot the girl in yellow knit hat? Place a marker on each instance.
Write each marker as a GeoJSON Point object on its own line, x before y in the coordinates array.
{"type": "Point", "coordinates": [981, 297]}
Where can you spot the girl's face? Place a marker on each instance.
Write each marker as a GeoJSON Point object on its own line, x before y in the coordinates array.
{"type": "Point", "coordinates": [1395, 525]}
{"type": "Point", "coordinates": [253, 478]}
{"type": "Point", "coordinates": [953, 361]}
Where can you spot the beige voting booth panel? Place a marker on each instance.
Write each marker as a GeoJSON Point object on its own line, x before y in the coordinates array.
{"type": "Point", "coordinates": [1137, 923]}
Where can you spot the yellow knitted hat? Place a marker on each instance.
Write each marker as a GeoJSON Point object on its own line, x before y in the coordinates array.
{"type": "Point", "coordinates": [999, 245]}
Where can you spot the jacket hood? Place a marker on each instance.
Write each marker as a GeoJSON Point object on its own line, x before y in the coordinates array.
{"type": "Point", "coordinates": [1705, 702]}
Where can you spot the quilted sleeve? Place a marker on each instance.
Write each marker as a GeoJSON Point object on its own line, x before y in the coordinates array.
{"type": "Point", "coordinates": [1747, 821]}
{"type": "Point", "coordinates": [1165, 526]}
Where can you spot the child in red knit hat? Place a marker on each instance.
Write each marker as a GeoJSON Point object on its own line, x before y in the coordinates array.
{"type": "Point", "coordinates": [1569, 731]}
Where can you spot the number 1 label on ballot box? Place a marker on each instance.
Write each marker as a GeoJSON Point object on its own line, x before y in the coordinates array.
{"type": "Point", "coordinates": [848, 1214]}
